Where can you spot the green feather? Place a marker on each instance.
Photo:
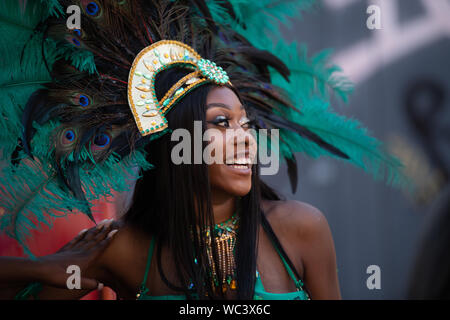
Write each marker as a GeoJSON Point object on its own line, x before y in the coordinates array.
{"type": "Point", "coordinates": [315, 75]}
{"type": "Point", "coordinates": [18, 21]}
{"type": "Point", "coordinates": [53, 8]}
{"type": "Point", "coordinates": [18, 80]}
{"type": "Point", "coordinates": [28, 192]}
{"type": "Point", "coordinates": [254, 17]}
{"type": "Point", "coordinates": [349, 136]}
{"type": "Point", "coordinates": [81, 59]}
{"type": "Point", "coordinates": [22, 68]}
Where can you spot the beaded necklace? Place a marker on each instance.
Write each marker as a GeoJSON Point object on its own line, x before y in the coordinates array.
{"type": "Point", "coordinates": [224, 237]}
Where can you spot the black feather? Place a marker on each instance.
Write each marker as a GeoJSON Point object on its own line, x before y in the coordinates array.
{"type": "Point", "coordinates": [263, 58]}
{"type": "Point", "coordinates": [36, 102]}
{"type": "Point", "coordinates": [73, 170]}
{"type": "Point", "coordinates": [292, 172]}
{"type": "Point", "coordinates": [305, 133]}
{"type": "Point", "coordinates": [201, 5]}
{"type": "Point", "coordinates": [229, 7]}
{"type": "Point", "coordinates": [73, 179]}
{"type": "Point", "coordinates": [15, 160]}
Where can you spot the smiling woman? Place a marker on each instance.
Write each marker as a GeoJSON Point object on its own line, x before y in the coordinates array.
{"type": "Point", "coordinates": [207, 226]}
{"type": "Point", "coordinates": [135, 72]}
{"type": "Point", "coordinates": [205, 198]}
{"type": "Point", "coordinates": [201, 198]}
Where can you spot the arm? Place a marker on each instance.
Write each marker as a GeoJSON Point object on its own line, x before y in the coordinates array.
{"type": "Point", "coordinates": [19, 270]}
{"type": "Point", "coordinates": [51, 270]}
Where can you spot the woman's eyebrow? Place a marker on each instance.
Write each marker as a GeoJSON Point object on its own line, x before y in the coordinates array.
{"type": "Point", "coordinates": [221, 105]}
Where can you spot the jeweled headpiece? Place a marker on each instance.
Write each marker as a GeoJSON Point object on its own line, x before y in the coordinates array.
{"type": "Point", "coordinates": [147, 110]}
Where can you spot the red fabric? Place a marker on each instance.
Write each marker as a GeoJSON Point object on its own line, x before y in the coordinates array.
{"type": "Point", "coordinates": [47, 241]}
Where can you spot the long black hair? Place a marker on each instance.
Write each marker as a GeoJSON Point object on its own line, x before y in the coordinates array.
{"type": "Point", "coordinates": [170, 199]}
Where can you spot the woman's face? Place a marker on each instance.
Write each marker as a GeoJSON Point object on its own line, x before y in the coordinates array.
{"type": "Point", "coordinates": [231, 171]}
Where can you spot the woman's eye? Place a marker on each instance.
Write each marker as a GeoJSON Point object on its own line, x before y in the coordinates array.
{"type": "Point", "coordinates": [248, 124]}
{"type": "Point", "coordinates": [221, 121]}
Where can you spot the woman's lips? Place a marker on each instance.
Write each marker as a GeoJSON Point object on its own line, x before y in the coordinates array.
{"type": "Point", "coordinates": [240, 163]}
{"type": "Point", "coordinates": [240, 169]}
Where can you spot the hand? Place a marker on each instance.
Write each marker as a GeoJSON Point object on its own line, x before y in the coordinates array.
{"type": "Point", "coordinates": [80, 251]}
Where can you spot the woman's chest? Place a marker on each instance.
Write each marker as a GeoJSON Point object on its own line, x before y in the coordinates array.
{"type": "Point", "coordinates": [128, 272]}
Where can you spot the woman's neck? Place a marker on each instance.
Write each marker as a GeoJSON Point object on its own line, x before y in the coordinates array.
{"type": "Point", "coordinates": [223, 205]}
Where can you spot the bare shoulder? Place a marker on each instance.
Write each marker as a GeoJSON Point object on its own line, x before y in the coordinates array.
{"type": "Point", "coordinates": [127, 244]}
{"type": "Point", "coordinates": [298, 218]}
{"type": "Point", "coordinates": [121, 264]}
{"type": "Point", "coordinates": [125, 241]}
{"type": "Point", "coordinates": [127, 235]}
{"type": "Point", "coordinates": [306, 233]}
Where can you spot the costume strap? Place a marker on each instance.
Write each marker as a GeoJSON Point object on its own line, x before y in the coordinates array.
{"type": "Point", "coordinates": [298, 282]}
{"type": "Point", "coordinates": [32, 289]}
{"type": "Point", "coordinates": [143, 288]}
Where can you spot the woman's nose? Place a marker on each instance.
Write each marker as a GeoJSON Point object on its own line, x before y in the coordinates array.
{"type": "Point", "coordinates": [244, 139]}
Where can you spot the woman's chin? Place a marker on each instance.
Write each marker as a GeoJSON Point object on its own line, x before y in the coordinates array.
{"type": "Point", "coordinates": [240, 190]}
{"type": "Point", "coordinates": [235, 181]}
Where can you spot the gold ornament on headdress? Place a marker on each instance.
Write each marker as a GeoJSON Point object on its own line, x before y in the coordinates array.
{"type": "Point", "coordinates": [148, 112]}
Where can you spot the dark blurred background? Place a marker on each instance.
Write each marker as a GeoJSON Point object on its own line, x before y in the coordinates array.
{"type": "Point", "coordinates": [401, 95]}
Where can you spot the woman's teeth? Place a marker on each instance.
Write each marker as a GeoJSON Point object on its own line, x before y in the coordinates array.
{"type": "Point", "coordinates": [239, 166]}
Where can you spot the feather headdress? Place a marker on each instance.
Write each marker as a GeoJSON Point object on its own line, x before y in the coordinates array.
{"type": "Point", "coordinates": [67, 133]}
